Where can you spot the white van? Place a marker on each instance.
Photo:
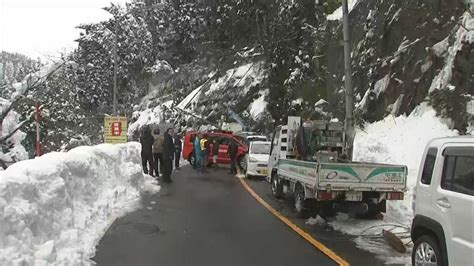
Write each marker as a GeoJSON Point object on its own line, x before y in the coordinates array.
{"type": "Point", "coordinates": [443, 224]}
{"type": "Point", "coordinates": [257, 159]}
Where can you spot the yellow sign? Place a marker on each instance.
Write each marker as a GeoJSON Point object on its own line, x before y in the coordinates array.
{"type": "Point", "coordinates": [115, 129]}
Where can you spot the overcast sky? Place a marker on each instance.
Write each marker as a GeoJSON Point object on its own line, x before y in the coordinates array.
{"type": "Point", "coordinates": [42, 28]}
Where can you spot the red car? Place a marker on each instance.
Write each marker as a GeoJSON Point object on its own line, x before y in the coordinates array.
{"type": "Point", "coordinates": [223, 138]}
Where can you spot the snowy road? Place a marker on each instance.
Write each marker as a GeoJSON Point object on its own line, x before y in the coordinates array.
{"type": "Point", "coordinates": [212, 220]}
{"type": "Point", "coordinates": [204, 220]}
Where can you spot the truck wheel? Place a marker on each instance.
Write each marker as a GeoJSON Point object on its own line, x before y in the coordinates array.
{"type": "Point", "coordinates": [301, 203]}
{"type": "Point", "coordinates": [426, 251]}
{"type": "Point", "coordinates": [277, 187]}
{"type": "Point", "coordinates": [326, 209]}
{"type": "Point", "coordinates": [372, 212]}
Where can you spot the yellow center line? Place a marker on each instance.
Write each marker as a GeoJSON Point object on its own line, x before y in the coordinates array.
{"type": "Point", "coordinates": [318, 245]}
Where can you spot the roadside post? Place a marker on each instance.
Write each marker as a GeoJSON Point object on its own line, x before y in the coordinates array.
{"type": "Point", "coordinates": [38, 140]}
{"type": "Point", "coordinates": [115, 129]}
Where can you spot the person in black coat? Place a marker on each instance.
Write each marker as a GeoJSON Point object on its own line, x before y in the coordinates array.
{"type": "Point", "coordinates": [233, 151]}
{"type": "Point", "coordinates": [215, 151]}
{"type": "Point", "coordinates": [177, 150]}
{"type": "Point", "coordinates": [168, 155]}
{"type": "Point", "coordinates": [146, 141]}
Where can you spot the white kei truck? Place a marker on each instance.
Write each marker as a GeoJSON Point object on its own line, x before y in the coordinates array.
{"type": "Point", "coordinates": [306, 161]}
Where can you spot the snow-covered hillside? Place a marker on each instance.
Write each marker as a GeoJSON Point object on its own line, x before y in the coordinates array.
{"type": "Point", "coordinates": [54, 209]}
{"type": "Point", "coordinates": [236, 88]}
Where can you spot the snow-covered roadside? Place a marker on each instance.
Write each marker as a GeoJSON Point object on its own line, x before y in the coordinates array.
{"type": "Point", "coordinates": [400, 140]}
{"type": "Point", "coordinates": [54, 209]}
{"type": "Point", "coordinates": [393, 140]}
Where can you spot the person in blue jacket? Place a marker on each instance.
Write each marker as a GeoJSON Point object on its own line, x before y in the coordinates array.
{"type": "Point", "coordinates": [197, 151]}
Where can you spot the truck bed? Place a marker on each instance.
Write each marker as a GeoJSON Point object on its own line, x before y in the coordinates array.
{"type": "Point", "coordinates": [345, 176]}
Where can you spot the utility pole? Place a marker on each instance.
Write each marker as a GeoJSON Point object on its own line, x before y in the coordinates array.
{"type": "Point", "coordinates": [349, 121]}
{"type": "Point", "coordinates": [38, 140]}
{"type": "Point", "coordinates": [115, 68]}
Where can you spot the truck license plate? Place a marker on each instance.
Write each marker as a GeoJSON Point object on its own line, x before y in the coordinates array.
{"type": "Point", "coordinates": [263, 171]}
{"type": "Point", "coordinates": [353, 196]}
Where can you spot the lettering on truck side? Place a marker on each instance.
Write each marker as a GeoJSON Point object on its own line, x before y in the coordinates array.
{"type": "Point", "coordinates": [303, 171]}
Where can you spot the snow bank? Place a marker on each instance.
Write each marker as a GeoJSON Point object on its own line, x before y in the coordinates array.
{"type": "Point", "coordinates": [394, 140]}
{"type": "Point", "coordinates": [337, 14]}
{"type": "Point", "coordinates": [54, 209]}
{"type": "Point", "coordinates": [400, 140]}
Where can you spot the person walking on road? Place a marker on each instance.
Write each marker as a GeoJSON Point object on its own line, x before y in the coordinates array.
{"type": "Point", "coordinates": [177, 150]}
{"type": "Point", "coordinates": [232, 151]}
{"type": "Point", "coordinates": [158, 151]}
{"type": "Point", "coordinates": [204, 142]}
{"type": "Point", "coordinates": [146, 141]}
{"type": "Point", "coordinates": [197, 151]}
{"type": "Point", "coordinates": [193, 162]}
{"type": "Point", "coordinates": [168, 155]}
{"type": "Point", "coordinates": [215, 151]}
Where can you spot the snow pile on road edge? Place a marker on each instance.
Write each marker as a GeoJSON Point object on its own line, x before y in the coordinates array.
{"type": "Point", "coordinates": [400, 140]}
{"type": "Point", "coordinates": [54, 209]}
{"type": "Point", "coordinates": [393, 140]}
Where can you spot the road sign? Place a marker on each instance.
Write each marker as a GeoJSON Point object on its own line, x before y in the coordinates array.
{"type": "Point", "coordinates": [115, 129]}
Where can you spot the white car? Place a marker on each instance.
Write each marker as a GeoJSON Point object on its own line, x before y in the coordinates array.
{"type": "Point", "coordinates": [443, 225]}
{"type": "Point", "coordinates": [256, 138]}
{"type": "Point", "coordinates": [257, 159]}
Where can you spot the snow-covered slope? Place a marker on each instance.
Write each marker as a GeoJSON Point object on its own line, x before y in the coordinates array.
{"type": "Point", "coordinates": [400, 140]}
{"type": "Point", "coordinates": [394, 140]}
{"type": "Point", "coordinates": [236, 88]}
{"type": "Point", "coordinates": [54, 209]}
{"type": "Point", "coordinates": [226, 91]}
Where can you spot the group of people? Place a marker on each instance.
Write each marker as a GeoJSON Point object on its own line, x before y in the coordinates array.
{"type": "Point", "coordinates": [204, 148]}
{"type": "Point", "coordinates": [159, 151]}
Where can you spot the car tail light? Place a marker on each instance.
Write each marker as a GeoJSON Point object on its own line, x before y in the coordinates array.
{"type": "Point", "coordinates": [324, 195]}
{"type": "Point", "coordinates": [395, 196]}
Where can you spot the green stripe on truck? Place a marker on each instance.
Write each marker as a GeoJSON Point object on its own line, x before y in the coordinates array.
{"type": "Point", "coordinates": [383, 170]}
{"type": "Point", "coordinates": [345, 169]}
{"type": "Point", "coordinates": [297, 163]}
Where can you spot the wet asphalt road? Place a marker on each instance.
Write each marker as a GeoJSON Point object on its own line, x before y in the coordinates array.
{"type": "Point", "coordinates": [212, 220]}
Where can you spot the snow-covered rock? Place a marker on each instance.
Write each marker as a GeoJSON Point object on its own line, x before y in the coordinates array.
{"type": "Point", "coordinates": [55, 208]}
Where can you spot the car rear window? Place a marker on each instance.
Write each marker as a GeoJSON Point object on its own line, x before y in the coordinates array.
{"type": "Point", "coordinates": [458, 171]}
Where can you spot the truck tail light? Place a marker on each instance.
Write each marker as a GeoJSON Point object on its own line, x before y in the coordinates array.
{"type": "Point", "coordinates": [324, 195]}
{"type": "Point", "coordinates": [395, 196]}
